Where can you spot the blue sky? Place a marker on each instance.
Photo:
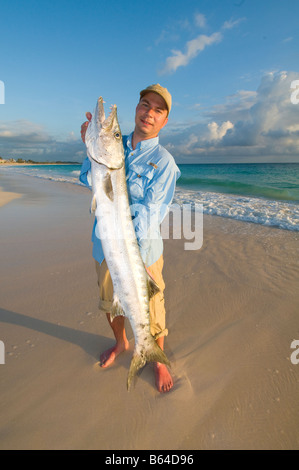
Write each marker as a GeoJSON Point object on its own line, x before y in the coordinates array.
{"type": "Point", "coordinates": [229, 65]}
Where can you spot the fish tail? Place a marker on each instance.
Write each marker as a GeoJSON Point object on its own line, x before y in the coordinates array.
{"type": "Point", "coordinates": [153, 354]}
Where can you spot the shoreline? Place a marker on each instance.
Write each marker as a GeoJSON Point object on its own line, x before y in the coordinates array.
{"type": "Point", "coordinates": [38, 163]}
{"type": "Point", "coordinates": [232, 314]}
{"type": "Point", "coordinates": [273, 212]}
{"type": "Point", "coordinates": [7, 196]}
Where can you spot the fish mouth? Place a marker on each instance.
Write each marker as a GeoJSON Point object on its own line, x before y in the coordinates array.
{"type": "Point", "coordinates": [102, 121]}
{"type": "Point", "coordinates": [110, 121]}
{"type": "Point", "coordinates": [103, 138]}
{"type": "Point", "coordinates": [100, 112]}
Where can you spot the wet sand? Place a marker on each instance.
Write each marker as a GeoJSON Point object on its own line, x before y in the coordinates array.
{"type": "Point", "coordinates": [232, 314]}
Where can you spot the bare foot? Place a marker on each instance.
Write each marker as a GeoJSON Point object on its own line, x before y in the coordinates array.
{"type": "Point", "coordinates": [163, 378]}
{"type": "Point", "coordinates": [108, 356]}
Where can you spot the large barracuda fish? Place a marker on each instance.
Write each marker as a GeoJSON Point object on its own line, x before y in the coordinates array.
{"type": "Point", "coordinates": [132, 285]}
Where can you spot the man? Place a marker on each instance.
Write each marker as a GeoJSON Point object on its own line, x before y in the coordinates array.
{"type": "Point", "coordinates": [151, 178]}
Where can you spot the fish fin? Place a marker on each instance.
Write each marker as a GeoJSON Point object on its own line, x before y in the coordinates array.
{"type": "Point", "coordinates": [93, 204]}
{"type": "Point", "coordinates": [116, 309]}
{"type": "Point", "coordinates": [153, 354]}
{"type": "Point", "coordinates": [108, 187]}
{"type": "Point", "coordinates": [152, 286]}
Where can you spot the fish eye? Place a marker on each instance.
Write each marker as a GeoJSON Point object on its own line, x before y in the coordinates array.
{"type": "Point", "coordinates": [117, 135]}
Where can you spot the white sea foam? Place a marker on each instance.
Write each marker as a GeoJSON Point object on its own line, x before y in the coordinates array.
{"type": "Point", "coordinates": [270, 212]}
{"type": "Point", "coordinates": [44, 172]}
{"type": "Point", "coordinates": [279, 214]}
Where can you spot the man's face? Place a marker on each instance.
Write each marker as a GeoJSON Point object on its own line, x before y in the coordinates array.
{"type": "Point", "coordinates": [151, 115]}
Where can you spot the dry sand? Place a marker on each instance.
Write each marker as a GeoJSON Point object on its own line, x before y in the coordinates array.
{"type": "Point", "coordinates": [6, 197]}
{"type": "Point", "coordinates": [232, 311]}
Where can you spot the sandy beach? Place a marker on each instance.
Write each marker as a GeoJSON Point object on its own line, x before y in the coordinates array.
{"type": "Point", "coordinates": [7, 196]}
{"type": "Point", "coordinates": [232, 314]}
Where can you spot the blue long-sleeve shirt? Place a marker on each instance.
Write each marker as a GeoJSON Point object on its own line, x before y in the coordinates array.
{"type": "Point", "coordinates": [151, 174]}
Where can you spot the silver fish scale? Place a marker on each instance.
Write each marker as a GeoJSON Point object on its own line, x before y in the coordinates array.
{"type": "Point", "coordinates": [116, 230]}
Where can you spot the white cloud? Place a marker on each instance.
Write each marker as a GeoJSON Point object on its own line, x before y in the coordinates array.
{"type": "Point", "coordinates": [200, 20]}
{"type": "Point", "coordinates": [196, 45]}
{"type": "Point", "coordinates": [193, 48]}
{"type": "Point", "coordinates": [30, 140]}
{"type": "Point", "coordinates": [217, 132]}
{"type": "Point", "coordinates": [256, 124]}
{"type": "Point", "coordinates": [232, 23]}
{"type": "Point", "coordinates": [172, 32]}
{"type": "Point", "coordinates": [22, 131]}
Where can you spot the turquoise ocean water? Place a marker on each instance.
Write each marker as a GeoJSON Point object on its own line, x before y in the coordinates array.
{"type": "Point", "coordinates": [265, 193]}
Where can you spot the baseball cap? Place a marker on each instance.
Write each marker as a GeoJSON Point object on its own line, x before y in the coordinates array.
{"type": "Point", "coordinates": [163, 92]}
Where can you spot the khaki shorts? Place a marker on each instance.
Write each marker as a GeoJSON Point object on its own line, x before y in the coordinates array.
{"type": "Point", "coordinates": [157, 306]}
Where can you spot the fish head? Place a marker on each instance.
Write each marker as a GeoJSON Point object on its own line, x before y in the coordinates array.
{"type": "Point", "coordinates": [103, 138]}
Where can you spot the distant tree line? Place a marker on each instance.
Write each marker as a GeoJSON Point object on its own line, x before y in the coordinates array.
{"type": "Point", "coordinates": [21, 160]}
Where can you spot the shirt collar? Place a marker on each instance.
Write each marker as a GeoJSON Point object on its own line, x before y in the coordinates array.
{"type": "Point", "coordinates": [144, 144]}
